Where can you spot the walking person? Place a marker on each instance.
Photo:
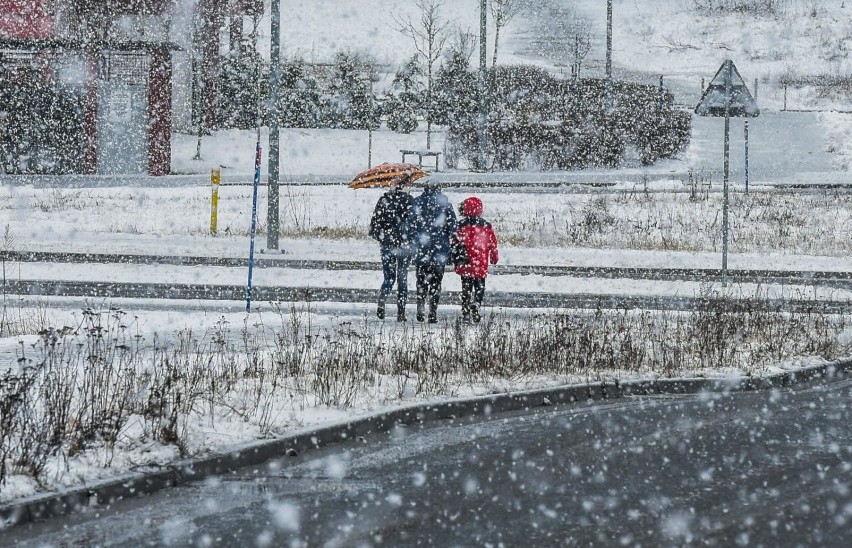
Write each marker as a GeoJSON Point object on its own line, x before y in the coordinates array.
{"type": "Point", "coordinates": [431, 222]}
{"type": "Point", "coordinates": [480, 242]}
{"type": "Point", "coordinates": [387, 226]}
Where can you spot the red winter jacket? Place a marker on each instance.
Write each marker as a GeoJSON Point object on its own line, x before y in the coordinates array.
{"type": "Point", "coordinates": [478, 238]}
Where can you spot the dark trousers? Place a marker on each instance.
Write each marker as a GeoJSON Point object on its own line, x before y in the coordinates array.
{"type": "Point", "coordinates": [429, 278]}
{"type": "Point", "coordinates": [473, 290]}
{"type": "Point", "coordinates": [395, 263]}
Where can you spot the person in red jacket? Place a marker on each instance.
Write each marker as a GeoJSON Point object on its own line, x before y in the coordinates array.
{"type": "Point", "coordinates": [480, 242]}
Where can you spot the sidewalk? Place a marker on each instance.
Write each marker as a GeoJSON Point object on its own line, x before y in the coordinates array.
{"type": "Point", "coordinates": [360, 272]}
{"type": "Point", "coordinates": [349, 250]}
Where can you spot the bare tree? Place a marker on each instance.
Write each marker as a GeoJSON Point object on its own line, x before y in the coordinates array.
{"type": "Point", "coordinates": [463, 42]}
{"type": "Point", "coordinates": [562, 33]}
{"type": "Point", "coordinates": [502, 11]}
{"type": "Point", "coordinates": [429, 33]}
{"type": "Point", "coordinates": [581, 44]}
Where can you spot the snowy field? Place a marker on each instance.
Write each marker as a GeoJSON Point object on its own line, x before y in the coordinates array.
{"type": "Point", "coordinates": [669, 226]}
{"type": "Point", "coordinates": [663, 228]}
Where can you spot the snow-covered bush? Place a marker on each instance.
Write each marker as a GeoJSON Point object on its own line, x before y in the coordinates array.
{"type": "Point", "coordinates": [759, 7]}
{"type": "Point", "coordinates": [243, 88]}
{"type": "Point", "coordinates": [298, 96]}
{"type": "Point", "coordinates": [535, 118]}
{"type": "Point", "coordinates": [455, 95]}
{"type": "Point", "coordinates": [405, 101]}
{"type": "Point", "coordinates": [41, 127]}
{"type": "Point", "coordinates": [349, 102]}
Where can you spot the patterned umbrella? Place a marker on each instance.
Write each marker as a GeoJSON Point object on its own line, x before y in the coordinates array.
{"type": "Point", "coordinates": [386, 174]}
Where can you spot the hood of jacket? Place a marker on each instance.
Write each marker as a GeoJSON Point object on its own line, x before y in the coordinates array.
{"type": "Point", "coordinates": [472, 207]}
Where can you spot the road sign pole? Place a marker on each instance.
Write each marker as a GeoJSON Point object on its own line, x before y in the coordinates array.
{"type": "Point", "coordinates": [727, 173]}
{"type": "Point", "coordinates": [718, 100]}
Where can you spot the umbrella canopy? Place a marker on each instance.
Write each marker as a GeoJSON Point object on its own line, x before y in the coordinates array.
{"type": "Point", "coordinates": [386, 175]}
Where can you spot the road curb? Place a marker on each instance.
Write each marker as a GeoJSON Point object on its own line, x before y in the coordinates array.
{"type": "Point", "coordinates": [106, 492]}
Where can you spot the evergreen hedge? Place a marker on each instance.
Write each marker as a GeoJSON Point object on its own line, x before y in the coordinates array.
{"type": "Point", "coordinates": [537, 120]}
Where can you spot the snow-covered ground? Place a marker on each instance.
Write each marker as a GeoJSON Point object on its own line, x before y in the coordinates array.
{"type": "Point", "coordinates": [650, 38]}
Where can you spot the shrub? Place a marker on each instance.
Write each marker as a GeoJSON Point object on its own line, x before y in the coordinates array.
{"type": "Point", "coordinates": [243, 87]}
{"type": "Point", "coordinates": [401, 113]}
{"type": "Point", "coordinates": [556, 124]}
{"type": "Point", "coordinates": [757, 7]}
{"type": "Point", "coordinates": [41, 127]}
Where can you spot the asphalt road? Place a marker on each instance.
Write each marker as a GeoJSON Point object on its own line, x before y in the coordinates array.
{"type": "Point", "coordinates": [192, 294]}
{"type": "Point", "coordinates": [769, 468]}
{"type": "Point", "coordinates": [636, 273]}
{"type": "Point", "coordinates": [222, 292]}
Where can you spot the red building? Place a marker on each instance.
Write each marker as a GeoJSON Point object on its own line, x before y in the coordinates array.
{"type": "Point", "coordinates": [86, 85]}
{"type": "Point", "coordinates": [26, 19]}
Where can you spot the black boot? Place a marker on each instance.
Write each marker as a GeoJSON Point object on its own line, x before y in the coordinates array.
{"type": "Point", "coordinates": [380, 310]}
{"type": "Point", "coordinates": [400, 315]}
{"type": "Point", "coordinates": [421, 314]}
{"type": "Point", "coordinates": [465, 317]}
{"type": "Point", "coordinates": [433, 308]}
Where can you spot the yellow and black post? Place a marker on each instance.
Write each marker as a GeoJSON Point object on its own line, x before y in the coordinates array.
{"type": "Point", "coordinates": [215, 179]}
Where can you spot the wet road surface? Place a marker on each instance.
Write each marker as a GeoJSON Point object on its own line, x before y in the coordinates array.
{"type": "Point", "coordinates": [763, 468]}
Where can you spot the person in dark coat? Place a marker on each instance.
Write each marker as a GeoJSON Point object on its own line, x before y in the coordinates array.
{"type": "Point", "coordinates": [431, 222]}
{"type": "Point", "coordinates": [480, 242]}
{"type": "Point", "coordinates": [387, 226]}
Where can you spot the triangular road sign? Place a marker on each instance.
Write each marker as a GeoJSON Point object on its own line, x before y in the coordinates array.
{"type": "Point", "coordinates": [715, 96]}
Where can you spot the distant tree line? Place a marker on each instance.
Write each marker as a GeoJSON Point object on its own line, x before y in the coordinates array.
{"type": "Point", "coordinates": [534, 118]}
{"type": "Point", "coordinates": [348, 96]}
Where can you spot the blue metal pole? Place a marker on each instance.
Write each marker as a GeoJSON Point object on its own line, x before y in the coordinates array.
{"type": "Point", "coordinates": [253, 223]}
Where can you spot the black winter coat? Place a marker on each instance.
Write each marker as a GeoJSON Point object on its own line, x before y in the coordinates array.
{"type": "Point", "coordinates": [431, 222]}
{"type": "Point", "coordinates": [387, 225]}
